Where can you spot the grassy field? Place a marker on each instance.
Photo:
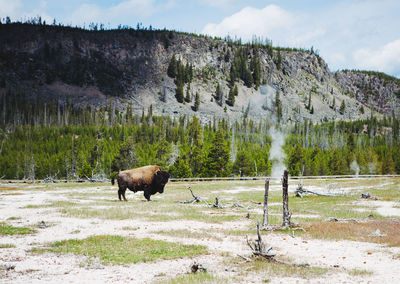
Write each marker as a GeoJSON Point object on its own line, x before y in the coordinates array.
{"type": "Point", "coordinates": [88, 220]}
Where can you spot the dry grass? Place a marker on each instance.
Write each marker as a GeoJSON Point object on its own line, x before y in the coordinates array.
{"type": "Point", "coordinates": [188, 234]}
{"type": "Point", "coordinates": [283, 270]}
{"type": "Point", "coordinates": [357, 231]}
{"type": "Point", "coordinates": [6, 188]}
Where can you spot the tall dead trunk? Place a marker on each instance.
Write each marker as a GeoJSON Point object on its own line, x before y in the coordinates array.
{"type": "Point", "coordinates": [285, 197]}
{"type": "Point", "coordinates": [265, 217]}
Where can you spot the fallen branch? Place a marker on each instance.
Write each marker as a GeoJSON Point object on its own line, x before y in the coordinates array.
{"type": "Point", "coordinates": [300, 191]}
{"type": "Point", "coordinates": [368, 196]}
{"type": "Point", "coordinates": [195, 199]}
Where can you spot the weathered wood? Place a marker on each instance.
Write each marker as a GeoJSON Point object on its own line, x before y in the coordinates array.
{"type": "Point", "coordinates": [285, 196]}
{"type": "Point", "coordinates": [265, 216]}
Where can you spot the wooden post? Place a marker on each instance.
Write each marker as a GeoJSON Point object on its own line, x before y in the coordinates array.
{"type": "Point", "coordinates": [265, 217]}
{"type": "Point", "coordinates": [285, 196]}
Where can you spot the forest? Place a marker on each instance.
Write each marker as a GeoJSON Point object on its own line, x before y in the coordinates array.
{"type": "Point", "coordinates": [54, 139]}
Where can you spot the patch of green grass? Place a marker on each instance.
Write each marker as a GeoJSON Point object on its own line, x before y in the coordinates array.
{"type": "Point", "coordinates": [360, 272]}
{"type": "Point", "coordinates": [183, 233]}
{"type": "Point", "coordinates": [194, 278]}
{"type": "Point", "coordinates": [7, 246]}
{"type": "Point", "coordinates": [14, 218]}
{"type": "Point", "coordinates": [121, 250]}
{"type": "Point", "coordinates": [283, 270]}
{"type": "Point", "coordinates": [11, 230]}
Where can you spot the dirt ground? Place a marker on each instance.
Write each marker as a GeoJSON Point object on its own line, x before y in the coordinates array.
{"type": "Point", "coordinates": [68, 211]}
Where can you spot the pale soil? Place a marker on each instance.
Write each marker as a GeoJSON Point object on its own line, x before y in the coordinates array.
{"type": "Point", "coordinates": [338, 256]}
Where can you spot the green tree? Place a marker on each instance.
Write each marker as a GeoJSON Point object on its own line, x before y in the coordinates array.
{"type": "Point", "coordinates": [187, 98]}
{"type": "Point", "coordinates": [179, 91]}
{"type": "Point", "coordinates": [172, 67]}
{"type": "Point", "coordinates": [231, 96]}
{"type": "Point", "coordinates": [243, 164]}
{"type": "Point", "coordinates": [196, 102]}
{"type": "Point", "coordinates": [219, 95]}
{"type": "Point", "coordinates": [126, 158]}
{"type": "Point", "coordinates": [295, 160]}
{"type": "Point", "coordinates": [196, 157]}
{"type": "Point", "coordinates": [342, 107]}
{"type": "Point", "coordinates": [278, 60]}
{"type": "Point", "coordinates": [180, 169]}
{"type": "Point", "coordinates": [217, 161]}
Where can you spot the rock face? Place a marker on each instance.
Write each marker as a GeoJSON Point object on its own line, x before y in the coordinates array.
{"type": "Point", "coordinates": [377, 90]}
{"type": "Point", "coordinates": [129, 67]}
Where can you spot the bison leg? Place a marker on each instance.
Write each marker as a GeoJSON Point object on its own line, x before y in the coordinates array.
{"type": "Point", "coordinates": [121, 192]}
{"type": "Point", "coordinates": [147, 195]}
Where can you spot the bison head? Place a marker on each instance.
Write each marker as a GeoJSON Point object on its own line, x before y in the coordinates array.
{"type": "Point", "coordinates": [161, 179]}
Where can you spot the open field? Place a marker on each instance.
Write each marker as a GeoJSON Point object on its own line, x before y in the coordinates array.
{"type": "Point", "coordinates": [80, 232]}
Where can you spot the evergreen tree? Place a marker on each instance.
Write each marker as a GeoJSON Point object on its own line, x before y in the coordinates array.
{"type": "Point", "coordinates": [219, 95]}
{"type": "Point", "coordinates": [295, 160]}
{"type": "Point", "coordinates": [196, 146]}
{"type": "Point", "coordinates": [231, 96]}
{"type": "Point", "coordinates": [187, 98]}
{"type": "Point", "coordinates": [179, 91]}
{"type": "Point", "coordinates": [126, 158]}
{"type": "Point", "coordinates": [342, 107]}
{"type": "Point", "coordinates": [180, 169]}
{"type": "Point", "coordinates": [172, 67]}
{"type": "Point", "coordinates": [196, 102]}
{"type": "Point", "coordinates": [278, 60]}
{"type": "Point", "coordinates": [217, 161]}
{"type": "Point", "coordinates": [243, 163]}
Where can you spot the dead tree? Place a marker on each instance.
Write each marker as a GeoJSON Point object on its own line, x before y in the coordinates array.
{"type": "Point", "coordinates": [285, 196]}
{"type": "Point", "coordinates": [265, 216]}
{"type": "Point", "coordinates": [258, 248]}
{"type": "Point", "coordinates": [195, 199]}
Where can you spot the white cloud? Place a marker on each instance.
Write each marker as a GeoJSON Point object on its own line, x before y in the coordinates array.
{"type": "Point", "coordinates": [252, 21]}
{"type": "Point", "coordinates": [9, 8]}
{"type": "Point", "coordinates": [384, 58]}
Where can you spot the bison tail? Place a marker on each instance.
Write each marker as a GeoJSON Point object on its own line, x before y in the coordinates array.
{"type": "Point", "coordinates": [112, 180]}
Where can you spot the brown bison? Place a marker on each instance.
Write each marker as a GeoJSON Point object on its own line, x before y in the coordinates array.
{"type": "Point", "coordinates": [150, 179]}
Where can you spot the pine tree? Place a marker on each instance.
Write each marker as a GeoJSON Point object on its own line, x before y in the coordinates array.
{"type": "Point", "coordinates": [187, 98]}
{"type": "Point", "coordinates": [217, 161]}
{"type": "Point", "coordinates": [172, 67]}
{"type": "Point", "coordinates": [243, 164]}
{"type": "Point", "coordinates": [219, 95]}
{"type": "Point", "coordinates": [196, 102]}
{"type": "Point", "coordinates": [231, 96]}
{"type": "Point", "coordinates": [278, 60]}
{"type": "Point", "coordinates": [342, 107]}
{"type": "Point", "coordinates": [179, 91]}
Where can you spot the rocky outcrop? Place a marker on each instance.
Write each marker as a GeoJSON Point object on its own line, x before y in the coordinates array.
{"type": "Point", "coordinates": [377, 90]}
{"type": "Point", "coordinates": [129, 67]}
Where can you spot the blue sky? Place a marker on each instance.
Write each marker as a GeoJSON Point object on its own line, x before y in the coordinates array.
{"type": "Point", "coordinates": [353, 34]}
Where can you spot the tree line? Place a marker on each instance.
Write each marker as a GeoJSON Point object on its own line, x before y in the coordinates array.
{"type": "Point", "coordinates": [55, 139]}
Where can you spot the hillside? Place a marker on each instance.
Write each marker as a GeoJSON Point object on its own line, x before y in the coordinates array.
{"type": "Point", "coordinates": [129, 67]}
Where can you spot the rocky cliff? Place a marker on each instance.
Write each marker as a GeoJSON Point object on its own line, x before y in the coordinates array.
{"type": "Point", "coordinates": [129, 67]}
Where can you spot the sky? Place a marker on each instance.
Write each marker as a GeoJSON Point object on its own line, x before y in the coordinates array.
{"type": "Point", "coordinates": [348, 34]}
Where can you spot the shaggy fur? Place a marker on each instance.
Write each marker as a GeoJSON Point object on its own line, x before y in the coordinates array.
{"type": "Point", "coordinates": [149, 179]}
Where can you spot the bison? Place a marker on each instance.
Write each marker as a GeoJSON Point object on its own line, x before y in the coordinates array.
{"type": "Point", "coordinates": [150, 179]}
